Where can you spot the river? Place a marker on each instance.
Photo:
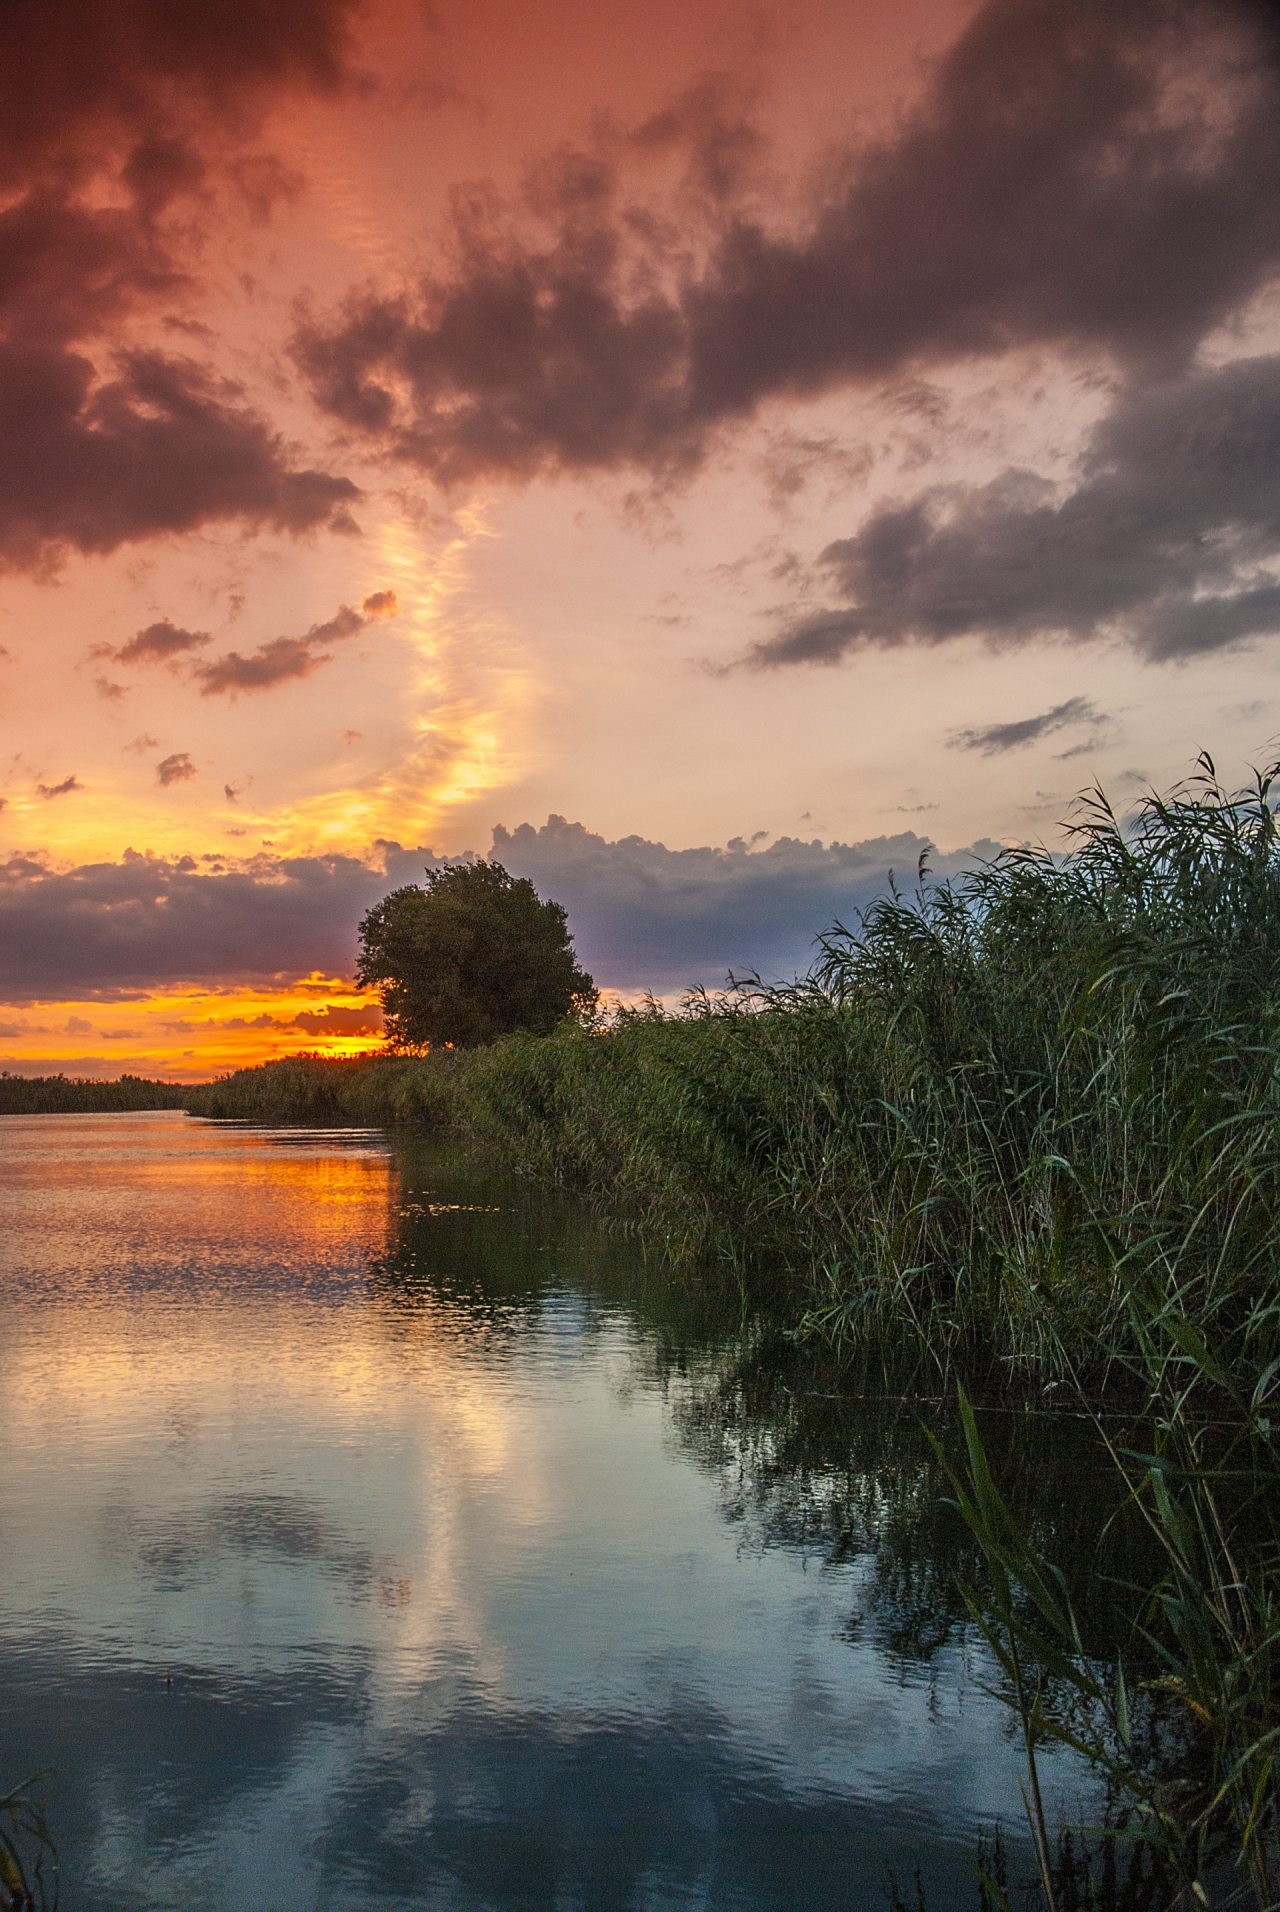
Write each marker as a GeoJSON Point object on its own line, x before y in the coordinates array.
{"type": "Point", "coordinates": [376, 1534]}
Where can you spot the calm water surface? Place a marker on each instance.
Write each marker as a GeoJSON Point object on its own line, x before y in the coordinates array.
{"type": "Point", "coordinates": [375, 1536]}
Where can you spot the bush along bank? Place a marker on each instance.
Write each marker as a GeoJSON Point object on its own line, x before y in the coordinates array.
{"type": "Point", "coordinates": [386, 1091]}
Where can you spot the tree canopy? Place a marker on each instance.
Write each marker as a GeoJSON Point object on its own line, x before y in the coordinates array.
{"type": "Point", "coordinates": [470, 955]}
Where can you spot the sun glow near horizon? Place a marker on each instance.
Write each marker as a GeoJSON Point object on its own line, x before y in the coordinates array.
{"type": "Point", "coordinates": [464, 690]}
{"type": "Point", "coordinates": [187, 1034]}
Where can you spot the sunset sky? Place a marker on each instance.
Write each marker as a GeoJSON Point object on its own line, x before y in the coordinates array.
{"type": "Point", "coordinates": [701, 454]}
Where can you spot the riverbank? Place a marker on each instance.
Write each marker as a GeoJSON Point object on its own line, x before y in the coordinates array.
{"type": "Point", "coordinates": [1005, 1126]}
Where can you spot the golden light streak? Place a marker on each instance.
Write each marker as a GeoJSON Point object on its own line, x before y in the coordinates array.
{"type": "Point", "coordinates": [448, 691]}
{"type": "Point", "coordinates": [470, 696]}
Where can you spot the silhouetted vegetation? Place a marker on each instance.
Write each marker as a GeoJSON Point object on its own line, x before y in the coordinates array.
{"type": "Point", "coordinates": [471, 955]}
{"type": "Point", "coordinates": [358, 1091]}
{"type": "Point", "coordinates": [78, 1095]}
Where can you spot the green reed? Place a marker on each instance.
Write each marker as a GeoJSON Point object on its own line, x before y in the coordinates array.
{"type": "Point", "coordinates": [25, 1845]}
{"type": "Point", "coordinates": [1184, 1724]}
{"type": "Point", "coordinates": [991, 1116]}
{"type": "Point", "coordinates": [1028, 1128]}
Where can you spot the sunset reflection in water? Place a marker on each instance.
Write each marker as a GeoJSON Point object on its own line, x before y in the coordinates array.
{"type": "Point", "coordinates": [352, 1556]}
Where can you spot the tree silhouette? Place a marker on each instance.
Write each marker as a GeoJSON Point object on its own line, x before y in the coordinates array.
{"type": "Point", "coordinates": [471, 955]}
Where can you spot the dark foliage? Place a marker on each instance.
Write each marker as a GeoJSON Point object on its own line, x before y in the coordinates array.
{"type": "Point", "coordinates": [472, 955]}
{"type": "Point", "coordinates": [72, 1095]}
{"type": "Point", "coordinates": [332, 1091]}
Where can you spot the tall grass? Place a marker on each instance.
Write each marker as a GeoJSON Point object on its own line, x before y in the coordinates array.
{"type": "Point", "coordinates": [992, 1115]}
{"type": "Point", "coordinates": [26, 1848]}
{"type": "Point", "coordinates": [80, 1095]}
{"type": "Point", "coordinates": [1188, 1737]}
{"type": "Point", "coordinates": [994, 1119]}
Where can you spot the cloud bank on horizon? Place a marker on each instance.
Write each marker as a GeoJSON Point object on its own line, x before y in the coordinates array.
{"type": "Point", "coordinates": [643, 916]}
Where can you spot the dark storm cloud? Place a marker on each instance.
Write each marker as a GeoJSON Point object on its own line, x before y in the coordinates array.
{"type": "Point", "coordinates": [120, 123]}
{"type": "Point", "coordinates": [1099, 178]}
{"type": "Point", "coordinates": [85, 67]}
{"type": "Point", "coordinates": [161, 447]}
{"type": "Point", "coordinates": [1170, 538]}
{"type": "Point", "coordinates": [283, 658]}
{"type": "Point", "coordinates": [644, 916]}
{"type": "Point", "coordinates": [992, 740]}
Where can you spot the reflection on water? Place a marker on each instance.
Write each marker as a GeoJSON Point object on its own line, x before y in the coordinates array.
{"type": "Point", "coordinates": [375, 1536]}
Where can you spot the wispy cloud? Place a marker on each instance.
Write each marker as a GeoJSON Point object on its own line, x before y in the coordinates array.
{"type": "Point", "coordinates": [992, 740]}
{"type": "Point", "coordinates": [1168, 536]}
{"type": "Point", "coordinates": [285, 658]}
{"type": "Point", "coordinates": [175, 769]}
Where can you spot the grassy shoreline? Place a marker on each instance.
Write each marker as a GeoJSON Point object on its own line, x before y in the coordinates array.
{"type": "Point", "coordinates": [1005, 1124]}
{"type": "Point", "coordinates": [86, 1095]}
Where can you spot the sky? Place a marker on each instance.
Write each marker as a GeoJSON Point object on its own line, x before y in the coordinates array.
{"type": "Point", "coordinates": [706, 456]}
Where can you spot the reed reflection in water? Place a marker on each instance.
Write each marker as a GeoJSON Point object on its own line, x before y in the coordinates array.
{"type": "Point", "coordinates": [379, 1535]}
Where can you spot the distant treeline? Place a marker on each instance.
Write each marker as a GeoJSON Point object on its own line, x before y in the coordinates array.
{"type": "Point", "coordinates": [378, 1090]}
{"type": "Point", "coordinates": [78, 1095]}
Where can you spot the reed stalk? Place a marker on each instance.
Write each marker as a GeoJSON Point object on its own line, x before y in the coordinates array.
{"type": "Point", "coordinates": [26, 1844]}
